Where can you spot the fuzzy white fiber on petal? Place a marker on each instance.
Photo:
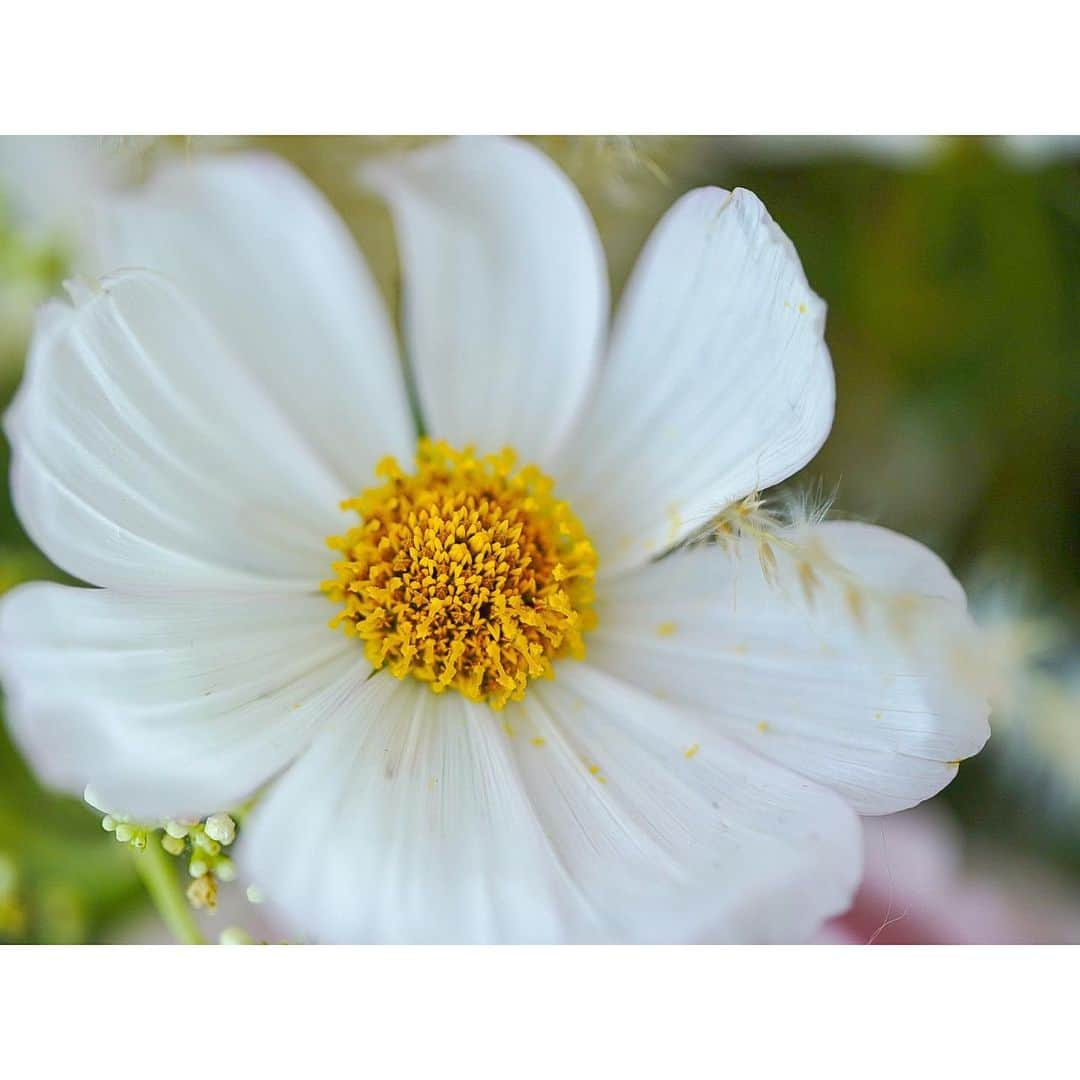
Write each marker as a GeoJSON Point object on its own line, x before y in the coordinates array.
{"type": "Point", "coordinates": [416, 818]}
{"type": "Point", "coordinates": [864, 692]}
{"type": "Point", "coordinates": [717, 384]}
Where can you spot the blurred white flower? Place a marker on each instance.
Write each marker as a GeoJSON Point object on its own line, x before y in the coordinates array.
{"type": "Point", "coordinates": [1032, 675]}
{"type": "Point", "coordinates": [48, 185]}
{"type": "Point", "coordinates": [1038, 151]}
{"type": "Point", "coordinates": [49, 182]}
{"type": "Point", "coordinates": [897, 151]}
{"type": "Point", "coordinates": [894, 151]}
{"type": "Point", "coordinates": [186, 435]}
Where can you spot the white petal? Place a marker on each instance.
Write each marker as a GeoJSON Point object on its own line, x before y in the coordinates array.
{"type": "Point", "coordinates": [178, 704]}
{"type": "Point", "coordinates": [404, 823]}
{"type": "Point", "coordinates": [878, 712]}
{"type": "Point", "coordinates": [672, 832]}
{"type": "Point", "coordinates": [266, 259]}
{"type": "Point", "coordinates": [505, 291]}
{"type": "Point", "coordinates": [718, 381]}
{"type": "Point", "coordinates": [417, 818]}
{"type": "Point", "coordinates": [145, 457]}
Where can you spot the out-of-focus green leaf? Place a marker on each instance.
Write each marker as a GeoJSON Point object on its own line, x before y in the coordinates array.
{"type": "Point", "coordinates": [953, 291]}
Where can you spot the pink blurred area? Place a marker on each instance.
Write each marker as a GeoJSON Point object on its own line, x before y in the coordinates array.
{"type": "Point", "coordinates": [924, 885]}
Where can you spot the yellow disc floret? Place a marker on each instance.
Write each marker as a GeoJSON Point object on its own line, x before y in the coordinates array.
{"type": "Point", "coordinates": [467, 573]}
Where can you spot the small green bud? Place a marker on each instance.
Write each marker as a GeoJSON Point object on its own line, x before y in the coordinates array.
{"type": "Point", "coordinates": [201, 840]}
{"type": "Point", "coordinates": [172, 844]}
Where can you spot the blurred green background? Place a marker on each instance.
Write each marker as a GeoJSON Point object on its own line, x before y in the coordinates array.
{"type": "Point", "coordinates": [952, 272]}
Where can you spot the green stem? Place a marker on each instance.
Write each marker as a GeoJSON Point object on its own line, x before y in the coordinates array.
{"type": "Point", "coordinates": [159, 876]}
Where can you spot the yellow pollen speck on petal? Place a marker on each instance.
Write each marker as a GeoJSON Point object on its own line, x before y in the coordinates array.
{"type": "Point", "coordinates": [674, 516]}
{"type": "Point", "coordinates": [802, 309]}
{"type": "Point", "coordinates": [467, 574]}
{"type": "Point", "coordinates": [762, 726]}
{"type": "Point", "coordinates": [665, 629]}
{"type": "Point", "coordinates": [538, 740]}
{"type": "Point", "coordinates": [690, 751]}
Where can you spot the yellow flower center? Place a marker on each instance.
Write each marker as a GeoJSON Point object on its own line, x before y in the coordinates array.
{"type": "Point", "coordinates": [466, 573]}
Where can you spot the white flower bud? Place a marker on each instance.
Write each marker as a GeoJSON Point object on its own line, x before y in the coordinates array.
{"type": "Point", "coordinates": [235, 935]}
{"type": "Point", "coordinates": [222, 828]}
{"type": "Point", "coordinates": [201, 840]}
{"type": "Point", "coordinates": [172, 844]}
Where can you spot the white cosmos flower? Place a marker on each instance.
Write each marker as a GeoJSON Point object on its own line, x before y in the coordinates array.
{"type": "Point", "coordinates": [185, 436]}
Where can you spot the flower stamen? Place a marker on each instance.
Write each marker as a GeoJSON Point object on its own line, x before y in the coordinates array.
{"type": "Point", "coordinates": [467, 573]}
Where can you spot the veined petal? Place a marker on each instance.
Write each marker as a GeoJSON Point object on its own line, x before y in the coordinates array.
{"type": "Point", "coordinates": [505, 291]}
{"type": "Point", "coordinates": [404, 823]}
{"type": "Point", "coordinates": [145, 457]}
{"type": "Point", "coordinates": [863, 691]}
{"type": "Point", "coordinates": [416, 818]}
{"type": "Point", "coordinates": [266, 259]}
{"type": "Point", "coordinates": [179, 704]}
{"type": "Point", "coordinates": [718, 381]}
{"type": "Point", "coordinates": [672, 833]}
